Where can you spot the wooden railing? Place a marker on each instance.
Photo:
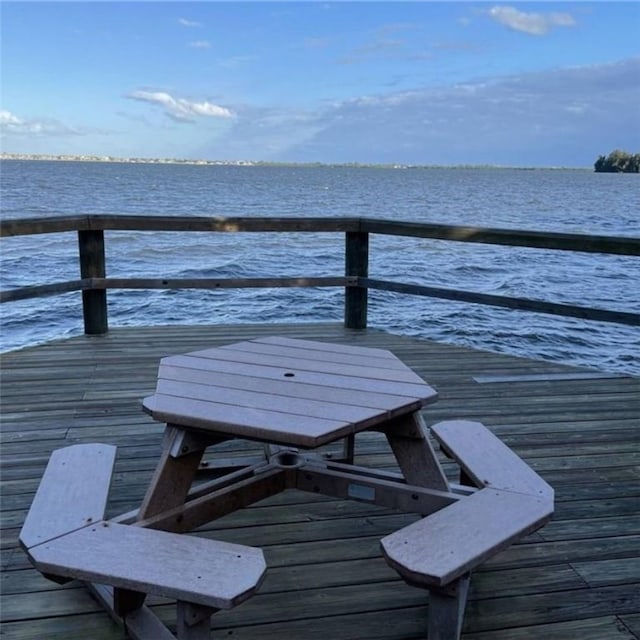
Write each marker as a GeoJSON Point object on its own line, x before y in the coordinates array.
{"type": "Point", "coordinates": [94, 283]}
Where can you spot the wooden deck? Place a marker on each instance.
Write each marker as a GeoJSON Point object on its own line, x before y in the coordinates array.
{"type": "Point", "coordinates": [579, 577]}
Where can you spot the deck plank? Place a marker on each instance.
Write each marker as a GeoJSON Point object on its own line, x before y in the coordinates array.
{"type": "Point", "coordinates": [577, 577]}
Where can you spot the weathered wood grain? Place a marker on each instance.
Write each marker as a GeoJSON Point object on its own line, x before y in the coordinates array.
{"type": "Point", "coordinates": [189, 568]}
{"type": "Point", "coordinates": [73, 492]}
{"type": "Point", "coordinates": [323, 554]}
{"type": "Point", "coordinates": [486, 460]}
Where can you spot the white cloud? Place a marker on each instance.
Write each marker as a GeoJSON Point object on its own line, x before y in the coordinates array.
{"type": "Point", "coordinates": [189, 23]}
{"type": "Point", "coordinates": [181, 109]}
{"type": "Point", "coordinates": [11, 124]}
{"type": "Point", "coordinates": [200, 44]}
{"type": "Point", "coordinates": [558, 117]}
{"type": "Point", "coordinates": [535, 24]}
{"type": "Point", "coordinates": [8, 119]}
{"type": "Point", "coordinates": [264, 133]}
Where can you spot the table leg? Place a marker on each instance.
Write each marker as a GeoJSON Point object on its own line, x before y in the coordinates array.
{"type": "Point", "coordinates": [175, 471]}
{"type": "Point", "coordinates": [409, 440]}
{"type": "Point", "coordinates": [446, 610]}
{"type": "Point", "coordinates": [349, 448]}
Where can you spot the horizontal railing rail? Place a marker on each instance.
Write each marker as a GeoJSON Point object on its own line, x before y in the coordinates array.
{"type": "Point", "coordinates": [519, 304]}
{"type": "Point", "coordinates": [620, 245]}
{"type": "Point", "coordinates": [94, 283]}
{"type": "Point", "coordinates": [113, 222]}
{"type": "Point", "coordinates": [39, 291]}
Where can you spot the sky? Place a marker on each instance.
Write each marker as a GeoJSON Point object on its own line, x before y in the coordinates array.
{"type": "Point", "coordinates": [426, 83]}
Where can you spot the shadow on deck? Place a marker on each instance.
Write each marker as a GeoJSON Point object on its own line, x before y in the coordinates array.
{"type": "Point", "coordinates": [578, 577]}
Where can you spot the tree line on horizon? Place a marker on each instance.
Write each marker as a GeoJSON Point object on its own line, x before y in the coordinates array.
{"type": "Point", "coordinates": [618, 162]}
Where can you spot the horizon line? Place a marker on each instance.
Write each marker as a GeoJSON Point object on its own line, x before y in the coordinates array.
{"type": "Point", "coordinates": [68, 157]}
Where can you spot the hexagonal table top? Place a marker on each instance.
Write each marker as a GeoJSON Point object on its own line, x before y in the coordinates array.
{"type": "Point", "coordinates": [300, 393]}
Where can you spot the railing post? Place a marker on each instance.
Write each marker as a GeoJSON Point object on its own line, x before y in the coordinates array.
{"type": "Point", "coordinates": [356, 264]}
{"type": "Point", "coordinates": [92, 265]}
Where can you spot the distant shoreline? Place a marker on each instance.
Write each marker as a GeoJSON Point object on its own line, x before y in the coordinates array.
{"type": "Point", "coordinates": [114, 159]}
{"type": "Point", "coordinates": [257, 163]}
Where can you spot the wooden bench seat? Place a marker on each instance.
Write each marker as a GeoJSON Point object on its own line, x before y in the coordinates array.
{"type": "Point", "coordinates": [66, 537]}
{"type": "Point", "coordinates": [486, 460]}
{"type": "Point", "coordinates": [440, 551]}
{"type": "Point", "coordinates": [440, 548]}
{"type": "Point", "coordinates": [179, 566]}
{"type": "Point", "coordinates": [72, 494]}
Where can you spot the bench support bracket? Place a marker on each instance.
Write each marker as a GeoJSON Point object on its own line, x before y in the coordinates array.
{"type": "Point", "coordinates": [194, 621]}
{"type": "Point", "coordinates": [140, 624]}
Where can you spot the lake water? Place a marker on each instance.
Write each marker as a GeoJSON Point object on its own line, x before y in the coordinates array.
{"type": "Point", "coordinates": [576, 201]}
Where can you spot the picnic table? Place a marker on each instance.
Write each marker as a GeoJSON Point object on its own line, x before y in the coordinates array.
{"type": "Point", "coordinates": [294, 396]}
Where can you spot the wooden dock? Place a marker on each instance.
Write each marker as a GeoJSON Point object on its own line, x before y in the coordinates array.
{"type": "Point", "coordinates": [578, 577]}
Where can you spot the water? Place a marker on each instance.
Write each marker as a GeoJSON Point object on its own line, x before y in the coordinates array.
{"type": "Point", "coordinates": [575, 201]}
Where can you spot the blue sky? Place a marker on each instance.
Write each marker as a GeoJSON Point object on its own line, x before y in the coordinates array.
{"type": "Point", "coordinates": [515, 83]}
